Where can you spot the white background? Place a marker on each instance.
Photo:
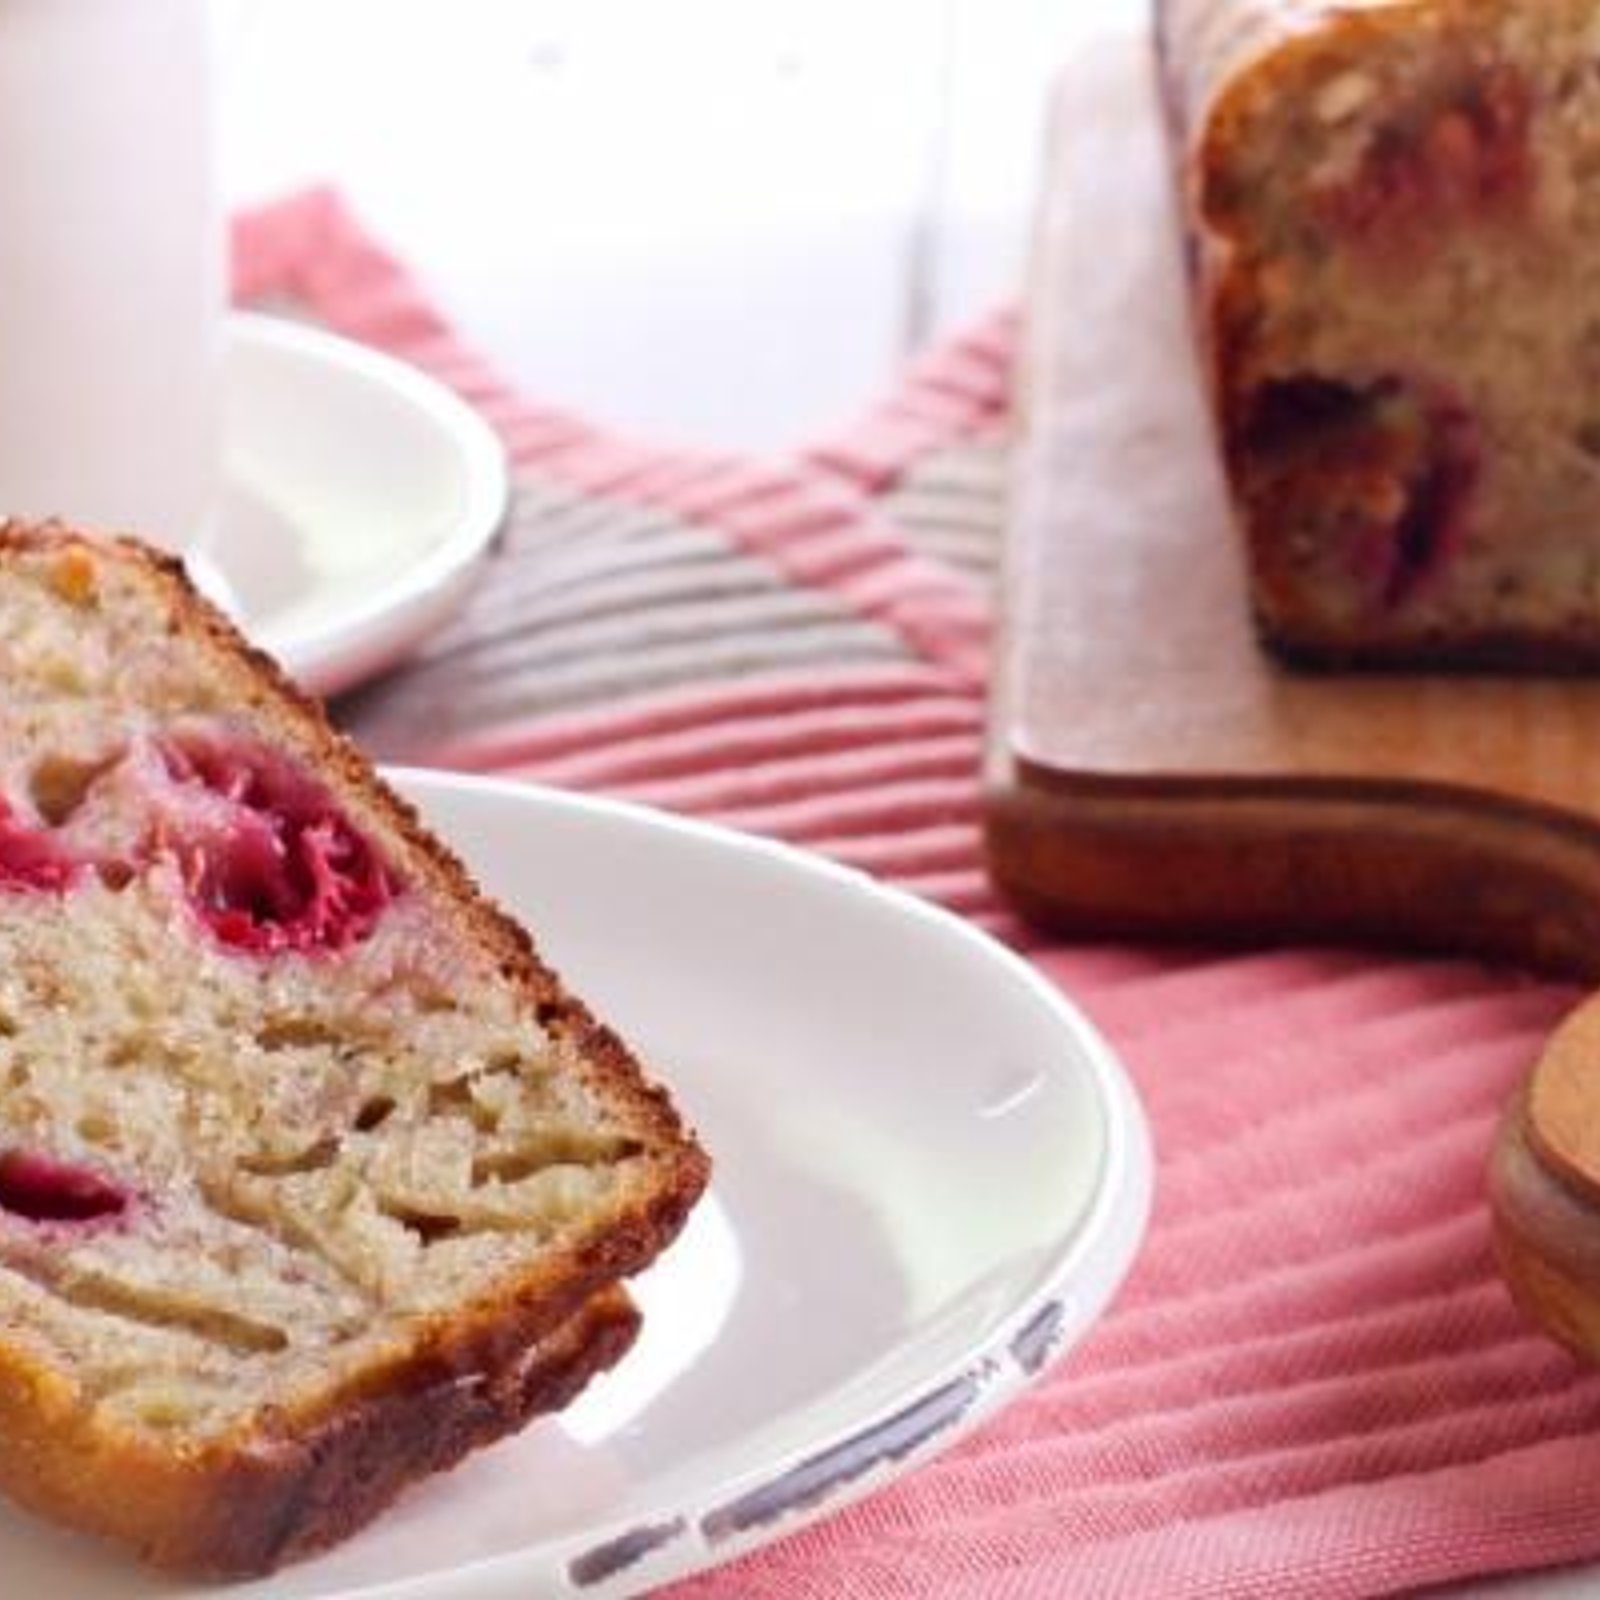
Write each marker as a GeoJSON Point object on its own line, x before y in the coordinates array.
{"type": "Point", "coordinates": [722, 221]}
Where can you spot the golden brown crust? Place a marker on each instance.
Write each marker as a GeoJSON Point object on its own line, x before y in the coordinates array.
{"type": "Point", "coordinates": [235, 1510]}
{"type": "Point", "coordinates": [310, 1491]}
{"type": "Point", "coordinates": [252, 1499]}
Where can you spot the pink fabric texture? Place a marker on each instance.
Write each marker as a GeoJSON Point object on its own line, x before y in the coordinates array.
{"type": "Point", "coordinates": [1314, 1383]}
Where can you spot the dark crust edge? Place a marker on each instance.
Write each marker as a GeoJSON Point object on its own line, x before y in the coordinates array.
{"type": "Point", "coordinates": [484, 1341]}
{"type": "Point", "coordinates": [311, 1492]}
{"type": "Point", "coordinates": [1573, 653]}
{"type": "Point", "coordinates": [225, 1513]}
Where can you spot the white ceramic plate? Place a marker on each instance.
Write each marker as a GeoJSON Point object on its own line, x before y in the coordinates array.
{"type": "Point", "coordinates": [359, 497]}
{"type": "Point", "coordinates": [930, 1176]}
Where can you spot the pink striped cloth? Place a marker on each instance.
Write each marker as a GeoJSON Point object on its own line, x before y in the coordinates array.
{"type": "Point", "coordinates": [1314, 1383]}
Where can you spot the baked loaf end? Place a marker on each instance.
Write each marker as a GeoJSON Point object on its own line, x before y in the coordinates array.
{"type": "Point", "coordinates": [1395, 219]}
{"type": "Point", "coordinates": [312, 1176]}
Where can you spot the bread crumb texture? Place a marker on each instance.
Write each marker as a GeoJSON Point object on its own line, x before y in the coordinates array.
{"type": "Point", "coordinates": [284, 1105]}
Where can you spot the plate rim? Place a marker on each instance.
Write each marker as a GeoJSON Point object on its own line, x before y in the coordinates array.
{"type": "Point", "coordinates": [367, 634]}
{"type": "Point", "coordinates": [1103, 1247]}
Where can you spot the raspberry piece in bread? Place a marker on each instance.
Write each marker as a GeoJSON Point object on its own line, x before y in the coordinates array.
{"type": "Point", "coordinates": [312, 1177]}
{"type": "Point", "coordinates": [1395, 216]}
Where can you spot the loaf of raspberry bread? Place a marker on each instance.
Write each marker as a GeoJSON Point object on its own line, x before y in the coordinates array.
{"type": "Point", "coordinates": [312, 1176]}
{"type": "Point", "coordinates": [1394, 210]}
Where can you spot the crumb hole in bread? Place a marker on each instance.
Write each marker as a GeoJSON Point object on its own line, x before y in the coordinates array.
{"type": "Point", "coordinates": [428, 1226]}
{"type": "Point", "coordinates": [40, 1188]}
{"type": "Point", "coordinates": [572, 1149]}
{"type": "Point", "coordinates": [374, 1113]}
{"type": "Point", "coordinates": [297, 1033]}
{"type": "Point", "coordinates": [58, 783]}
{"type": "Point", "coordinates": [512, 1166]}
{"type": "Point", "coordinates": [454, 1095]}
{"type": "Point", "coordinates": [507, 1166]}
{"type": "Point", "coordinates": [456, 1099]}
{"type": "Point", "coordinates": [317, 1158]}
{"type": "Point", "coordinates": [156, 1308]}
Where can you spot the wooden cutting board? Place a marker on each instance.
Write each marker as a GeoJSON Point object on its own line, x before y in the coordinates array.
{"type": "Point", "coordinates": [1151, 771]}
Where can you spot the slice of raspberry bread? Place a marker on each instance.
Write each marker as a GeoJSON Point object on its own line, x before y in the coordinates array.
{"type": "Point", "coordinates": [312, 1177]}
{"type": "Point", "coordinates": [1395, 218]}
